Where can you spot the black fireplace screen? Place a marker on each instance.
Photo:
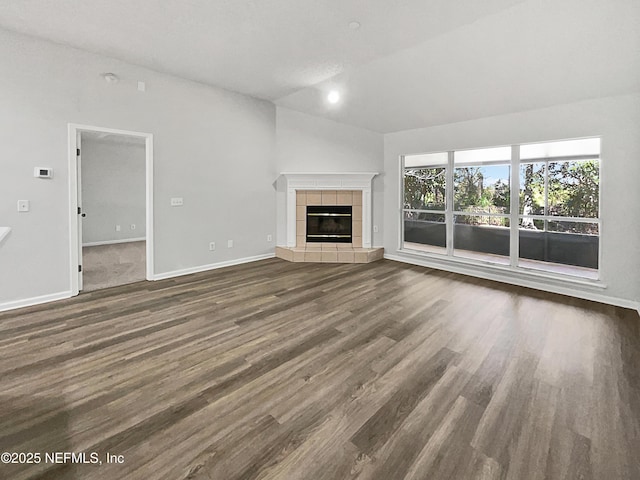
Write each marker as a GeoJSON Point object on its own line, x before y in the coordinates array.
{"type": "Point", "coordinates": [329, 223]}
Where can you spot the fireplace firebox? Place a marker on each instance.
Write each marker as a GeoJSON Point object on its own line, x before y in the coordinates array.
{"type": "Point", "coordinates": [329, 223]}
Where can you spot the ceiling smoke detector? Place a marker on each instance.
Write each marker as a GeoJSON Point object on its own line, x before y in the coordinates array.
{"type": "Point", "coordinates": [354, 25]}
{"type": "Point", "coordinates": [110, 77]}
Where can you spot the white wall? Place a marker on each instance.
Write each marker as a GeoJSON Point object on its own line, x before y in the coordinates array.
{"type": "Point", "coordinates": [616, 119]}
{"type": "Point", "coordinates": [213, 147]}
{"type": "Point", "coordinates": [113, 190]}
{"type": "Point", "coordinates": [309, 144]}
{"type": "Point", "coordinates": [217, 150]}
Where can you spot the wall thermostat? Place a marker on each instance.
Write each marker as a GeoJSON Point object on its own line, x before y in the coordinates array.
{"type": "Point", "coordinates": [43, 172]}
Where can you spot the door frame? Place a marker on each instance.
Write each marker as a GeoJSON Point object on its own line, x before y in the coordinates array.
{"type": "Point", "coordinates": [74, 244]}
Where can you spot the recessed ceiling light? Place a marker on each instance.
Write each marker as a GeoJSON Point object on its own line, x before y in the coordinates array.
{"type": "Point", "coordinates": [354, 25]}
{"type": "Point", "coordinates": [333, 97]}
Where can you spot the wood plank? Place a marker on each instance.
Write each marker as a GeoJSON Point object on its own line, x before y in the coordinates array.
{"type": "Point", "coordinates": [274, 370]}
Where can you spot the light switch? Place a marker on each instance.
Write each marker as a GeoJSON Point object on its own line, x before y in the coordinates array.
{"type": "Point", "coordinates": [23, 205]}
{"type": "Point", "coordinates": [177, 202]}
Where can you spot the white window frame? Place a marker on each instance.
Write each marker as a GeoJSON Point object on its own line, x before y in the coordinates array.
{"type": "Point", "coordinates": [513, 215]}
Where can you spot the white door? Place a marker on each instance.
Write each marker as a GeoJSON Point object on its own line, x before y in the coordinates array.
{"type": "Point", "coordinates": [81, 214]}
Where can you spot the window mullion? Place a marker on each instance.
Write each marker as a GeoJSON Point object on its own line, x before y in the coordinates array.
{"type": "Point", "coordinates": [402, 196]}
{"type": "Point", "coordinates": [546, 195]}
{"type": "Point", "coordinates": [448, 215]}
{"type": "Point", "coordinates": [514, 238]}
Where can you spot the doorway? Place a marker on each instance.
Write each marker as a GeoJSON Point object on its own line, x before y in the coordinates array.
{"type": "Point", "coordinates": [111, 192]}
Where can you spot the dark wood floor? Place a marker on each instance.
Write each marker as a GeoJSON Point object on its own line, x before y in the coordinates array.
{"type": "Point", "coordinates": [276, 370]}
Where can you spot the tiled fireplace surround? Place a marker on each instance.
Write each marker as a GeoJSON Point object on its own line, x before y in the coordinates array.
{"type": "Point", "coordinates": [329, 189]}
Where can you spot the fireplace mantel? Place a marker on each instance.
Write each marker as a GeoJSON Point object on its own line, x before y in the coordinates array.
{"type": "Point", "coordinates": [329, 181]}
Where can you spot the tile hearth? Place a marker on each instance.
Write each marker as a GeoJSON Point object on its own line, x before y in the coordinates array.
{"type": "Point", "coordinates": [330, 253]}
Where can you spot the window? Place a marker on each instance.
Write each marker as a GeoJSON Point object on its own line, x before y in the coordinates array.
{"type": "Point", "coordinates": [559, 201]}
{"type": "Point", "coordinates": [481, 204]}
{"type": "Point", "coordinates": [533, 206]}
{"type": "Point", "coordinates": [425, 201]}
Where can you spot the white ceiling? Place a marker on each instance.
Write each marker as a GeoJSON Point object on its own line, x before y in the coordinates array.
{"type": "Point", "coordinates": [412, 63]}
{"type": "Point", "coordinates": [536, 54]}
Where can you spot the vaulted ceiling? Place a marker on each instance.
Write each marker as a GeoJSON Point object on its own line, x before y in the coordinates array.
{"type": "Point", "coordinates": [412, 63]}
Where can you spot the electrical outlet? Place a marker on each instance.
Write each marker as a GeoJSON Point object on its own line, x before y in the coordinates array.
{"type": "Point", "coordinates": [212, 246]}
{"type": "Point", "coordinates": [269, 238]}
{"type": "Point", "coordinates": [118, 228]}
{"type": "Point", "coordinates": [229, 243]}
{"type": "Point", "coordinates": [375, 229]}
{"type": "Point", "coordinates": [133, 226]}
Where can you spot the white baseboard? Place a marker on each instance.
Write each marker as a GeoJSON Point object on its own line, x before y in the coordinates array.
{"type": "Point", "coordinates": [113, 242]}
{"type": "Point", "coordinates": [212, 266]}
{"type": "Point", "coordinates": [535, 283]}
{"type": "Point", "coordinates": [596, 297]}
{"type": "Point", "coordinates": [27, 302]}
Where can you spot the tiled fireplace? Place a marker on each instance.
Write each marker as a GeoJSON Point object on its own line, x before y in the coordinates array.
{"type": "Point", "coordinates": [332, 203]}
{"type": "Point", "coordinates": [315, 198]}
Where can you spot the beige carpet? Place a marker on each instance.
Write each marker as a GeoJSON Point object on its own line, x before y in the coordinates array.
{"type": "Point", "coordinates": [111, 265]}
